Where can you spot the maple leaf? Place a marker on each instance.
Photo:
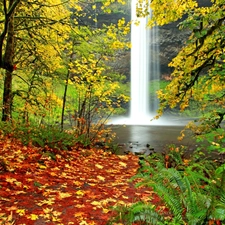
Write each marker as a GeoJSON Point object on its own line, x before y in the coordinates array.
{"type": "Point", "coordinates": [104, 210]}
{"type": "Point", "coordinates": [42, 166]}
{"type": "Point", "coordinates": [21, 212]}
{"type": "Point", "coordinates": [120, 202]}
{"type": "Point", "coordinates": [77, 183]}
{"type": "Point", "coordinates": [95, 203]}
{"type": "Point", "coordinates": [107, 200]}
{"type": "Point", "coordinates": [49, 201]}
{"type": "Point", "coordinates": [123, 164]}
{"type": "Point", "coordinates": [125, 197]}
{"type": "Point", "coordinates": [80, 192]}
{"type": "Point", "coordinates": [64, 195]}
{"type": "Point", "coordinates": [85, 223]}
{"type": "Point", "coordinates": [33, 216]}
{"type": "Point", "coordinates": [55, 219]}
{"type": "Point", "coordinates": [7, 220]}
{"type": "Point", "coordinates": [11, 208]}
{"type": "Point", "coordinates": [10, 179]}
{"type": "Point", "coordinates": [47, 210]}
{"type": "Point", "coordinates": [80, 206]}
{"type": "Point", "coordinates": [79, 214]}
{"type": "Point", "coordinates": [99, 166]}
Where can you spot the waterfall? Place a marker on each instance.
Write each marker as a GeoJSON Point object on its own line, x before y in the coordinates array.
{"type": "Point", "coordinates": [139, 67]}
{"type": "Point", "coordinates": [144, 69]}
{"type": "Point", "coordinates": [145, 72]}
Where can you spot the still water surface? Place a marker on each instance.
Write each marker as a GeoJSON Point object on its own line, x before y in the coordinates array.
{"type": "Point", "coordinates": [158, 136]}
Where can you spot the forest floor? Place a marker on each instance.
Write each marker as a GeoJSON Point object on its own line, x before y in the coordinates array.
{"type": "Point", "coordinates": [80, 186]}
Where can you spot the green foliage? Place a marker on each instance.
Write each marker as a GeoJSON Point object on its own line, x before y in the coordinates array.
{"type": "Point", "coordinates": [137, 212]}
{"type": "Point", "coordinates": [46, 137]}
{"type": "Point", "coordinates": [64, 49]}
{"type": "Point", "coordinates": [198, 74]}
{"type": "Point", "coordinates": [192, 189]}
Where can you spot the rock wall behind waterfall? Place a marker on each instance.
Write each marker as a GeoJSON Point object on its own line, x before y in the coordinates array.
{"type": "Point", "coordinates": [170, 41]}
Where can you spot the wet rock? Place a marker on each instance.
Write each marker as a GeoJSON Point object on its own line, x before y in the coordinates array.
{"type": "Point", "coordinates": [149, 147]}
{"type": "Point", "coordinates": [141, 152]}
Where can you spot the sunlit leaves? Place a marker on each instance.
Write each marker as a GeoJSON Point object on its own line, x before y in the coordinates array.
{"type": "Point", "coordinates": [90, 74]}
{"type": "Point", "coordinates": [198, 73]}
{"type": "Point", "coordinates": [165, 11]}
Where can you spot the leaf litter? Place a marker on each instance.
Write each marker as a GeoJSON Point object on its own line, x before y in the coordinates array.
{"type": "Point", "coordinates": [76, 187]}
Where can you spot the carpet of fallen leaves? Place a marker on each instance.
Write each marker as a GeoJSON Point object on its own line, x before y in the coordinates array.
{"type": "Point", "coordinates": [76, 187]}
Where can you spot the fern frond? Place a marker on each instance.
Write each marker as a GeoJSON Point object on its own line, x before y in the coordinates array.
{"type": "Point", "coordinates": [138, 212]}
{"type": "Point", "coordinates": [171, 199]}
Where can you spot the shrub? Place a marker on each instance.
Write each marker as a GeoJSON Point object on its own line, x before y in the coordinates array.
{"type": "Point", "coordinates": [42, 136]}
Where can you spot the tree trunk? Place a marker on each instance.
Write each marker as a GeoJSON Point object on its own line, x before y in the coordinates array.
{"type": "Point", "coordinates": [8, 60]}
{"type": "Point", "coordinates": [64, 99]}
{"type": "Point", "coordinates": [7, 97]}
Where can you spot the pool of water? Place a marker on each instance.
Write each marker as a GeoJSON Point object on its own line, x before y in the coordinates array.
{"type": "Point", "coordinates": [136, 137]}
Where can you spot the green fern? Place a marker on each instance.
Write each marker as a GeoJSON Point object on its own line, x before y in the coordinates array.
{"type": "Point", "coordinates": [138, 212]}
{"type": "Point", "coordinates": [193, 192]}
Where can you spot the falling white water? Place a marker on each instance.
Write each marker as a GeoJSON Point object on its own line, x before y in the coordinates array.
{"type": "Point", "coordinates": [139, 67]}
{"type": "Point", "coordinates": [144, 70]}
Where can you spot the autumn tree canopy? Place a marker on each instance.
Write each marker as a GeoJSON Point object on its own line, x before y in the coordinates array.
{"type": "Point", "coordinates": [48, 38]}
{"type": "Point", "coordinates": [199, 71]}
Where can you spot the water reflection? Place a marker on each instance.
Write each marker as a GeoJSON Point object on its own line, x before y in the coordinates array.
{"type": "Point", "coordinates": [157, 136]}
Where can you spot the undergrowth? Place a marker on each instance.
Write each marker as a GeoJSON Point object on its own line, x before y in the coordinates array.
{"type": "Point", "coordinates": [193, 189]}
{"type": "Point", "coordinates": [50, 137]}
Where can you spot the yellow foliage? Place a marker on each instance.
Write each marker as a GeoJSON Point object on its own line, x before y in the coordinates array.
{"type": "Point", "coordinates": [166, 11]}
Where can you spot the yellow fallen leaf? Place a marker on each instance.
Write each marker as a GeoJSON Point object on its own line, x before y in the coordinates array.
{"type": "Point", "coordinates": [21, 212]}
{"type": "Point", "coordinates": [95, 203]}
{"type": "Point", "coordinates": [101, 178]}
{"type": "Point", "coordinates": [56, 219]}
{"type": "Point", "coordinates": [105, 210]}
{"type": "Point", "coordinates": [78, 183]}
{"type": "Point", "coordinates": [123, 164]}
{"type": "Point", "coordinates": [124, 197]}
{"type": "Point", "coordinates": [47, 210]}
{"type": "Point", "coordinates": [80, 206]}
{"type": "Point", "coordinates": [10, 180]}
{"type": "Point", "coordinates": [120, 202]}
{"type": "Point", "coordinates": [85, 223]}
{"type": "Point", "coordinates": [80, 192]}
{"type": "Point", "coordinates": [79, 214]}
{"type": "Point", "coordinates": [10, 218]}
{"type": "Point", "coordinates": [64, 195]}
{"type": "Point", "coordinates": [42, 167]}
{"type": "Point", "coordinates": [49, 201]}
{"type": "Point", "coordinates": [99, 166]}
{"type": "Point", "coordinates": [56, 213]}
{"type": "Point", "coordinates": [32, 216]}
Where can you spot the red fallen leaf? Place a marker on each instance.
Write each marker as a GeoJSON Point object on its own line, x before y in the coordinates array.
{"type": "Point", "coordinates": [213, 222]}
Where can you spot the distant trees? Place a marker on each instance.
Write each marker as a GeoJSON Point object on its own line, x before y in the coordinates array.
{"type": "Point", "coordinates": [45, 41]}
